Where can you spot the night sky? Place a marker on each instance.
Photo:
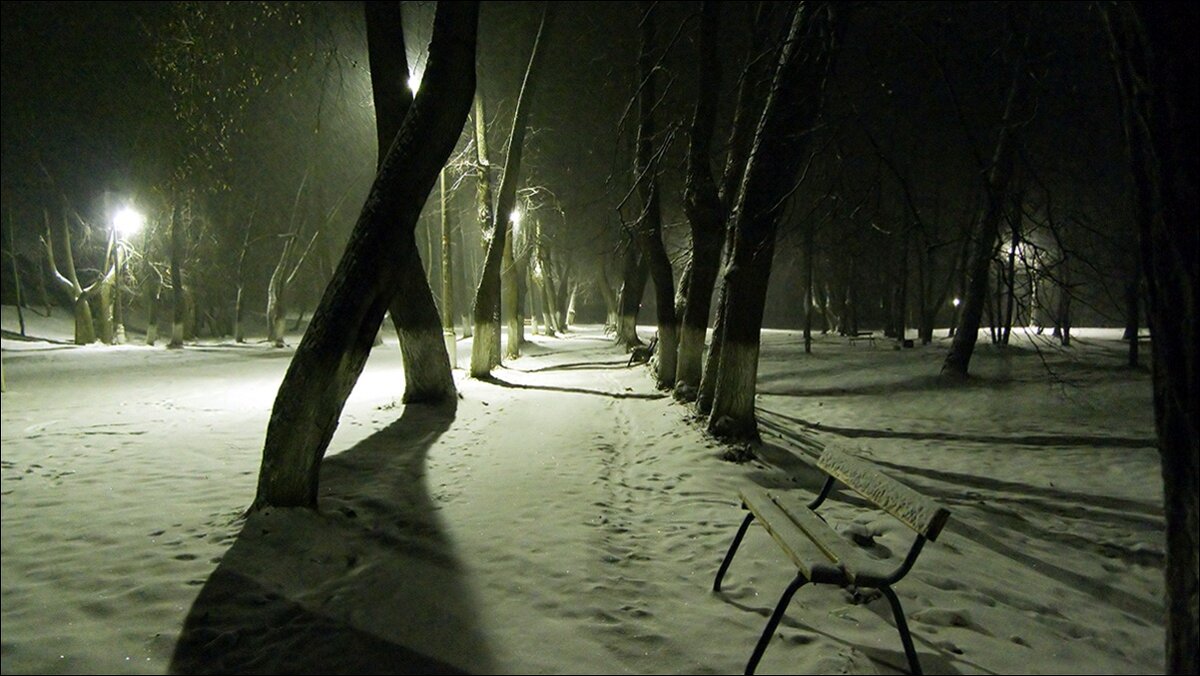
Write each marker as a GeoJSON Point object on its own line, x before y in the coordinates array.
{"type": "Point", "coordinates": [84, 98]}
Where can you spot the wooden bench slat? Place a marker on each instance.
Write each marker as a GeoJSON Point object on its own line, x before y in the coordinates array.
{"type": "Point", "coordinates": [819, 532]}
{"type": "Point", "coordinates": [913, 509]}
{"type": "Point", "coordinates": [795, 543]}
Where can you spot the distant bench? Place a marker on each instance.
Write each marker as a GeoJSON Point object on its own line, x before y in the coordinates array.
{"type": "Point", "coordinates": [868, 336]}
{"type": "Point", "coordinates": [821, 555]}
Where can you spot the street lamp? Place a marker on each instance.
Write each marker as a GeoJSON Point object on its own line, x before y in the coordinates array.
{"type": "Point", "coordinates": [126, 223]}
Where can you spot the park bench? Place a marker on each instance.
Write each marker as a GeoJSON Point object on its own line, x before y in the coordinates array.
{"type": "Point", "coordinates": [642, 353]}
{"type": "Point", "coordinates": [821, 555]}
{"type": "Point", "coordinates": [868, 336]}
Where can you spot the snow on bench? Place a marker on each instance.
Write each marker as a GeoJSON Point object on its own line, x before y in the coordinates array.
{"type": "Point", "coordinates": [821, 555]}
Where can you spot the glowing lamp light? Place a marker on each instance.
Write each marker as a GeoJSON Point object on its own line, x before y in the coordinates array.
{"type": "Point", "coordinates": [128, 221]}
{"type": "Point", "coordinates": [414, 82]}
{"type": "Point", "coordinates": [956, 302]}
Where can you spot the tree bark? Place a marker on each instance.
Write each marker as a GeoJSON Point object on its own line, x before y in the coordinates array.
{"type": "Point", "coordinates": [485, 349]}
{"type": "Point", "coordinates": [332, 352]}
{"type": "Point", "coordinates": [794, 103]}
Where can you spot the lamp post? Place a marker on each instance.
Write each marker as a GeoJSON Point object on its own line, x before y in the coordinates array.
{"type": "Point", "coordinates": [125, 223]}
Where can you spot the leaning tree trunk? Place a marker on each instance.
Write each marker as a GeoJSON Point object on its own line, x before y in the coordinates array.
{"type": "Point", "coordinates": [332, 352]}
{"type": "Point", "coordinates": [705, 214]}
{"type": "Point", "coordinates": [427, 375]}
{"type": "Point", "coordinates": [794, 103]}
{"type": "Point", "coordinates": [1155, 63]}
{"type": "Point", "coordinates": [983, 244]}
{"type": "Point", "coordinates": [485, 349]}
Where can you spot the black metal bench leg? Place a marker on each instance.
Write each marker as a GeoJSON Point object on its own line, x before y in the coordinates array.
{"type": "Point", "coordinates": [902, 625]}
{"type": "Point", "coordinates": [769, 631]}
{"type": "Point", "coordinates": [737, 540]}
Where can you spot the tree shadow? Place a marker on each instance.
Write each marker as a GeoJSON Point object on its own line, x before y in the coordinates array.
{"type": "Point", "coordinates": [572, 390]}
{"type": "Point", "coordinates": [369, 583]}
{"type": "Point", "coordinates": [1052, 440]}
{"type": "Point", "coordinates": [579, 365]}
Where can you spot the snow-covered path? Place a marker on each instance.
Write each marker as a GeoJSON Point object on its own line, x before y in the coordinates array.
{"type": "Point", "coordinates": [564, 519]}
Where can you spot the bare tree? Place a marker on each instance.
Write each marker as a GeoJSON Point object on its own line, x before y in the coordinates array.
{"type": "Point", "coordinates": [1155, 62]}
{"type": "Point", "coordinates": [427, 376]}
{"type": "Point", "coordinates": [795, 102]}
{"type": "Point", "coordinates": [85, 328]}
{"type": "Point", "coordinates": [485, 349]}
{"type": "Point", "coordinates": [986, 231]}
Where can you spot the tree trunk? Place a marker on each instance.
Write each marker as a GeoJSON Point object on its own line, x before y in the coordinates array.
{"type": "Point", "coordinates": [610, 301]}
{"type": "Point", "coordinates": [485, 349]}
{"type": "Point", "coordinates": [1155, 64]}
{"type": "Point", "coordinates": [1063, 325]}
{"type": "Point", "coordinates": [85, 329]}
{"type": "Point", "coordinates": [630, 297]}
{"type": "Point", "coordinates": [155, 300]}
{"type": "Point", "coordinates": [649, 223]}
{"type": "Point", "coordinates": [987, 230]}
{"type": "Point", "coordinates": [12, 252]}
{"type": "Point", "coordinates": [332, 352]}
{"type": "Point", "coordinates": [104, 312]}
{"type": "Point", "coordinates": [1010, 287]}
{"type": "Point", "coordinates": [448, 335]}
{"type": "Point", "coordinates": [794, 103]}
{"type": "Point", "coordinates": [176, 278]}
{"type": "Point", "coordinates": [510, 289]}
{"type": "Point", "coordinates": [1133, 312]}
{"type": "Point", "coordinates": [277, 297]}
{"type": "Point", "coordinates": [427, 375]}
{"type": "Point", "coordinates": [705, 213]}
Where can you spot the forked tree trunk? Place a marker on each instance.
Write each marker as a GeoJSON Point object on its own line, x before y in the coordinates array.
{"type": "Point", "coordinates": [427, 375]}
{"type": "Point", "coordinates": [332, 352]}
{"type": "Point", "coordinates": [485, 349]}
{"type": "Point", "coordinates": [1155, 63]}
{"type": "Point", "coordinates": [85, 328]}
{"type": "Point", "coordinates": [795, 103]}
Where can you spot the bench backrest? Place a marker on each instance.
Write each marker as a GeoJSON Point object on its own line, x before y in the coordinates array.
{"type": "Point", "coordinates": [912, 509]}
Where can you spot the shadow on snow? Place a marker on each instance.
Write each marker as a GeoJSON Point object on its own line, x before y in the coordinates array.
{"type": "Point", "coordinates": [359, 586]}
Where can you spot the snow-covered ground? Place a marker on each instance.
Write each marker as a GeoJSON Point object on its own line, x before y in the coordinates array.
{"type": "Point", "coordinates": [568, 518]}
